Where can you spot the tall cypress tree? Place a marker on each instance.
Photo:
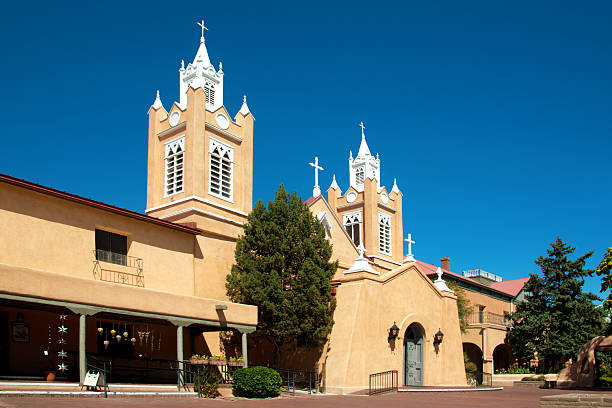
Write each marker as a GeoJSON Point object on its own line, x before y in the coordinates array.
{"type": "Point", "coordinates": [556, 318]}
{"type": "Point", "coordinates": [283, 267]}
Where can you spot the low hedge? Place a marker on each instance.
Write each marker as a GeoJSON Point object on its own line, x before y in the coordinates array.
{"type": "Point", "coordinates": [538, 378]}
{"type": "Point", "coordinates": [257, 382]}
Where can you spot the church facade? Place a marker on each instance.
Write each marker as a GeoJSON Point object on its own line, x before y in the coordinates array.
{"type": "Point", "coordinates": [76, 275]}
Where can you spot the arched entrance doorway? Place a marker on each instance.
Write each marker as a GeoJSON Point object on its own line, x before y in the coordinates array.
{"type": "Point", "coordinates": [413, 355]}
{"type": "Point", "coordinates": [502, 357]}
{"type": "Point", "coordinates": [475, 356]}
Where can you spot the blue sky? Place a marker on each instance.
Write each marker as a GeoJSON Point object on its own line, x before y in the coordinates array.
{"type": "Point", "coordinates": [495, 117]}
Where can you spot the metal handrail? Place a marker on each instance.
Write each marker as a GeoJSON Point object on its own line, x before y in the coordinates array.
{"type": "Point", "coordinates": [386, 381]}
{"type": "Point", "coordinates": [293, 379]}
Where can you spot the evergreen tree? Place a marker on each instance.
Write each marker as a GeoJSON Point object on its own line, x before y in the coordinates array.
{"type": "Point", "coordinates": [464, 307]}
{"type": "Point", "coordinates": [556, 318]}
{"type": "Point", "coordinates": [283, 267]}
{"type": "Point", "coordinates": [604, 269]}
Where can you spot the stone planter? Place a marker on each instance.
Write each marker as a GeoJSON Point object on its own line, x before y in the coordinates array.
{"type": "Point", "coordinates": [235, 363]}
{"type": "Point", "coordinates": [198, 361]}
{"type": "Point", "coordinates": [217, 362]}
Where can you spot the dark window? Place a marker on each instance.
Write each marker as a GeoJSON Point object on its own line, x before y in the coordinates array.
{"type": "Point", "coordinates": [481, 312]}
{"type": "Point", "coordinates": [111, 247]}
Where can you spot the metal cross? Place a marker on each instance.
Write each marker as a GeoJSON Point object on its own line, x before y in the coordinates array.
{"type": "Point", "coordinates": [362, 126]}
{"type": "Point", "coordinates": [201, 24]}
{"type": "Point", "coordinates": [317, 168]}
{"type": "Point", "coordinates": [410, 242]}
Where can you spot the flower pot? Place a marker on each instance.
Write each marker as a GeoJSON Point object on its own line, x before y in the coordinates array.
{"type": "Point", "coordinates": [236, 363]}
{"type": "Point", "coordinates": [217, 362]}
{"type": "Point", "coordinates": [50, 375]}
{"type": "Point", "coordinates": [199, 361]}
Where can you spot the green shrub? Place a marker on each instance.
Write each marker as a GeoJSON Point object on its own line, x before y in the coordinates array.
{"type": "Point", "coordinates": [257, 382]}
{"type": "Point", "coordinates": [207, 381]}
{"type": "Point", "coordinates": [536, 378]}
{"type": "Point", "coordinates": [470, 368]}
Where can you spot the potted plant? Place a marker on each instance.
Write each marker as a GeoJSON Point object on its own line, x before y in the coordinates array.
{"type": "Point", "coordinates": [236, 362]}
{"type": "Point", "coordinates": [217, 360]}
{"type": "Point", "coordinates": [197, 359]}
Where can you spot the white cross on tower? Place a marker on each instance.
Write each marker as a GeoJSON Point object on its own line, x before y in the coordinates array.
{"type": "Point", "coordinates": [316, 191]}
{"type": "Point", "coordinates": [362, 126]}
{"type": "Point", "coordinates": [201, 24]}
{"type": "Point", "coordinates": [409, 240]}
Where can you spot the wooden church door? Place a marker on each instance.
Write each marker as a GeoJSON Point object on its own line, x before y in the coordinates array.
{"type": "Point", "coordinates": [413, 356]}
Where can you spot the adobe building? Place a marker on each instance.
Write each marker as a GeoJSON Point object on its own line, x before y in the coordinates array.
{"type": "Point", "coordinates": [378, 289]}
{"type": "Point", "coordinates": [82, 280]}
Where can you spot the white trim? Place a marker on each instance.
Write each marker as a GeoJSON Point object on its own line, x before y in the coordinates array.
{"type": "Point", "coordinates": [224, 132]}
{"type": "Point", "coordinates": [214, 143]}
{"type": "Point", "coordinates": [385, 259]}
{"type": "Point", "coordinates": [175, 129]}
{"type": "Point", "coordinates": [179, 141]}
{"type": "Point", "coordinates": [386, 207]}
{"type": "Point", "coordinates": [212, 215]}
{"type": "Point", "coordinates": [200, 199]}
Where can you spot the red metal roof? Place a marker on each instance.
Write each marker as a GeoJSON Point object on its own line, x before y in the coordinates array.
{"type": "Point", "coordinates": [97, 204]}
{"type": "Point", "coordinates": [512, 288]}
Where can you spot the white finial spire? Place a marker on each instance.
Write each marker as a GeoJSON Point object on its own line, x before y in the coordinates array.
{"type": "Point", "coordinates": [395, 188]}
{"type": "Point", "coordinates": [244, 109]}
{"type": "Point", "coordinates": [364, 150]}
{"type": "Point", "coordinates": [440, 284]}
{"type": "Point", "coordinates": [316, 191]}
{"type": "Point", "coordinates": [182, 64]}
{"type": "Point", "coordinates": [201, 24]}
{"type": "Point", "coordinates": [158, 103]}
{"type": "Point", "coordinates": [350, 155]}
{"type": "Point", "coordinates": [220, 67]}
{"type": "Point", "coordinates": [410, 257]}
{"type": "Point", "coordinates": [334, 184]}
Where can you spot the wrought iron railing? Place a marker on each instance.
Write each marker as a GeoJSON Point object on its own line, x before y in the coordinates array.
{"type": "Point", "coordinates": [488, 317]}
{"type": "Point", "coordinates": [300, 380]}
{"type": "Point", "coordinates": [386, 381]}
{"type": "Point", "coordinates": [135, 278]}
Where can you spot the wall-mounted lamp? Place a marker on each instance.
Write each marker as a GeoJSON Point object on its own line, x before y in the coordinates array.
{"type": "Point", "coordinates": [393, 332]}
{"type": "Point", "coordinates": [438, 337]}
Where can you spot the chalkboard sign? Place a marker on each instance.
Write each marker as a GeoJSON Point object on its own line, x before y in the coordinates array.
{"type": "Point", "coordinates": [92, 379]}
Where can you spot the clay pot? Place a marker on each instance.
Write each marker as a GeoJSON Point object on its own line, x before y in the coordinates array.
{"type": "Point", "coordinates": [50, 375]}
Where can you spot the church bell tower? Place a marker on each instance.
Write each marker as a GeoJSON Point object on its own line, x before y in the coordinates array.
{"type": "Point", "coordinates": [200, 161]}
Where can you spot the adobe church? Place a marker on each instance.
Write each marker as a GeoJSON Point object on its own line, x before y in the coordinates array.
{"type": "Point", "coordinates": [165, 270]}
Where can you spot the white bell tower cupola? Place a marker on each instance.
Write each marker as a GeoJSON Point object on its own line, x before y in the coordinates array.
{"type": "Point", "coordinates": [364, 165]}
{"type": "Point", "coordinates": [201, 73]}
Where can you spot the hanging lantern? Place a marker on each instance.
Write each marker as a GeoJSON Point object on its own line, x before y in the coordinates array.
{"type": "Point", "coordinates": [133, 340]}
{"type": "Point", "coordinates": [118, 337]}
{"type": "Point", "coordinates": [126, 334]}
{"type": "Point", "coordinates": [100, 330]}
{"type": "Point", "coordinates": [393, 332]}
{"type": "Point", "coordinates": [113, 331]}
{"type": "Point", "coordinates": [438, 337]}
{"type": "Point", "coordinates": [106, 344]}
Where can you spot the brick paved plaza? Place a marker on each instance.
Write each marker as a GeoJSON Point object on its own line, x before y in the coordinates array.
{"type": "Point", "coordinates": [510, 398]}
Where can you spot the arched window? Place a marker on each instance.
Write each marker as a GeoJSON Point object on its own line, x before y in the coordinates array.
{"type": "Point", "coordinates": [352, 225]}
{"type": "Point", "coordinates": [384, 233]}
{"type": "Point", "coordinates": [174, 166]}
{"type": "Point", "coordinates": [221, 170]}
{"type": "Point", "coordinates": [359, 175]}
{"type": "Point", "coordinates": [209, 88]}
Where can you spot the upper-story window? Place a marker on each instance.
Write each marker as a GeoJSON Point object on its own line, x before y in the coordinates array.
{"type": "Point", "coordinates": [352, 225]}
{"type": "Point", "coordinates": [384, 233]}
{"type": "Point", "coordinates": [209, 88]}
{"type": "Point", "coordinates": [174, 166]}
{"type": "Point", "coordinates": [221, 170]}
{"type": "Point", "coordinates": [359, 175]}
{"type": "Point", "coordinates": [111, 247]}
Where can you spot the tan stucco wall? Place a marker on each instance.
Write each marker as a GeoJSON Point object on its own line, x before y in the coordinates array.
{"type": "Point", "coordinates": [368, 307]}
{"type": "Point", "coordinates": [56, 235]}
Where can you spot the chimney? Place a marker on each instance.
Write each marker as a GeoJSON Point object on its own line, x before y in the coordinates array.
{"type": "Point", "coordinates": [445, 263]}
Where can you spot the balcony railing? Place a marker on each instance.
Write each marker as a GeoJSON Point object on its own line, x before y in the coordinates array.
{"type": "Point", "coordinates": [131, 275]}
{"type": "Point", "coordinates": [490, 318]}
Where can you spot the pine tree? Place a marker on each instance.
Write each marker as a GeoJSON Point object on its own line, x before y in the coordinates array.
{"type": "Point", "coordinates": [556, 318]}
{"type": "Point", "coordinates": [283, 267]}
{"type": "Point", "coordinates": [605, 271]}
